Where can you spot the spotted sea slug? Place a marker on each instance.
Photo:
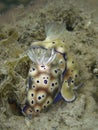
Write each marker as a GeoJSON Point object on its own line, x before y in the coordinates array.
{"type": "Point", "coordinates": [52, 74]}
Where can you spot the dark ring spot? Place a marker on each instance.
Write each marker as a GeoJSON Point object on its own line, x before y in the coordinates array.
{"type": "Point", "coordinates": [55, 71]}
{"type": "Point", "coordinates": [42, 66]}
{"type": "Point", "coordinates": [33, 69]}
{"type": "Point", "coordinates": [39, 97]}
{"type": "Point", "coordinates": [45, 81]}
{"type": "Point", "coordinates": [47, 102]}
{"type": "Point", "coordinates": [52, 84]}
{"type": "Point", "coordinates": [44, 106]}
{"type": "Point", "coordinates": [53, 42]}
{"type": "Point", "coordinates": [72, 81]}
{"type": "Point", "coordinates": [76, 75]}
{"type": "Point", "coordinates": [37, 81]}
{"type": "Point", "coordinates": [37, 110]}
{"type": "Point", "coordinates": [56, 83]}
{"type": "Point", "coordinates": [32, 102]}
{"type": "Point", "coordinates": [32, 94]}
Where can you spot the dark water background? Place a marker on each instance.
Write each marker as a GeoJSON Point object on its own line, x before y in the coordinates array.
{"type": "Point", "coordinates": [7, 4]}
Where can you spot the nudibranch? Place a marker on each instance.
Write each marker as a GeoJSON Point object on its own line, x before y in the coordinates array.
{"type": "Point", "coordinates": [52, 74]}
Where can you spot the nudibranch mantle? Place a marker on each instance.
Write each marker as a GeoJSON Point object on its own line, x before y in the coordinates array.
{"type": "Point", "coordinates": [52, 74]}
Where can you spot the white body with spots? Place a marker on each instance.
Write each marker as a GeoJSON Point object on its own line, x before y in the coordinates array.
{"type": "Point", "coordinates": [53, 71]}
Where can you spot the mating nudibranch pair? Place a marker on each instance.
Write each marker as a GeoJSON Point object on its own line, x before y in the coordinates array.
{"type": "Point", "coordinates": [52, 74]}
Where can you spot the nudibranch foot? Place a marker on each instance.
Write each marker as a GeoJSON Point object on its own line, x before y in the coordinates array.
{"type": "Point", "coordinates": [57, 98]}
{"type": "Point", "coordinates": [78, 86]}
{"type": "Point", "coordinates": [67, 92]}
{"type": "Point", "coordinates": [71, 77]}
{"type": "Point", "coordinates": [27, 111]}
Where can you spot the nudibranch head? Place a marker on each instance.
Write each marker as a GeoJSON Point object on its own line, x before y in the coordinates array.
{"type": "Point", "coordinates": [54, 33]}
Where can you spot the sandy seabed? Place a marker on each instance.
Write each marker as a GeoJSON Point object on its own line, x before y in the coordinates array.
{"type": "Point", "coordinates": [19, 27]}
